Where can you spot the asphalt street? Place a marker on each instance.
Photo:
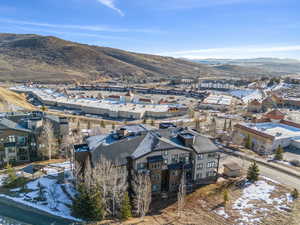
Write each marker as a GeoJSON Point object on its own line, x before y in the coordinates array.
{"type": "Point", "coordinates": [278, 176]}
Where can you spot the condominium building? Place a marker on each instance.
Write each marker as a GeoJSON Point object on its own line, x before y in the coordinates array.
{"type": "Point", "coordinates": [165, 154]}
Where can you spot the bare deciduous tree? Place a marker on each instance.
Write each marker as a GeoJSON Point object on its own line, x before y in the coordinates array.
{"type": "Point", "coordinates": [48, 145]}
{"type": "Point", "coordinates": [141, 185]}
{"type": "Point", "coordinates": [111, 180]}
{"type": "Point", "coordinates": [53, 195]}
{"type": "Point", "coordinates": [181, 195]}
{"type": "Point", "coordinates": [66, 146]}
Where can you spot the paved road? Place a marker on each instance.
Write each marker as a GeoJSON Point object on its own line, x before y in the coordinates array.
{"type": "Point", "coordinates": [281, 177]}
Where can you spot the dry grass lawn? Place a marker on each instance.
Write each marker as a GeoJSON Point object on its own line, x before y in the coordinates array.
{"type": "Point", "coordinates": [10, 97]}
{"type": "Point", "coordinates": [203, 205]}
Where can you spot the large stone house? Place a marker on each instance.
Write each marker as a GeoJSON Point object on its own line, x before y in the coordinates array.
{"type": "Point", "coordinates": [166, 154]}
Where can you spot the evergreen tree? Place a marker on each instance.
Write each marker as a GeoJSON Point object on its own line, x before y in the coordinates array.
{"type": "Point", "coordinates": [248, 142]}
{"type": "Point", "coordinates": [78, 124]}
{"type": "Point", "coordinates": [197, 124]}
{"type": "Point", "coordinates": [253, 172]}
{"type": "Point", "coordinates": [89, 125]}
{"type": "Point", "coordinates": [213, 124]}
{"type": "Point", "coordinates": [225, 197]}
{"type": "Point", "coordinates": [43, 108]}
{"type": "Point", "coordinates": [295, 194]}
{"type": "Point", "coordinates": [152, 123]}
{"type": "Point", "coordinates": [12, 176]}
{"type": "Point", "coordinates": [88, 204]}
{"type": "Point", "coordinates": [126, 207]}
{"type": "Point", "coordinates": [102, 124]}
{"type": "Point", "coordinates": [230, 126]}
{"type": "Point", "coordinates": [113, 126]}
{"type": "Point", "coordinates": [144, 121]}
{"type": "Point", "coordinates": [225, 125]}
{"type": "Point", "coordinates": [279, 153]}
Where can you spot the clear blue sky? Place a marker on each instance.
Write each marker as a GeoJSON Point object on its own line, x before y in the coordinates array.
{"type": "Point", "coordinates": [180, 28]}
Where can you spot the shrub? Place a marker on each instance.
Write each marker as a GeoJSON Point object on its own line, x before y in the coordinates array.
{"type": "Point", "coordinates": [225, 197]}
{"type": "Point", "coordinates": [18, 182]}
{"type": "Point", "coordinates": [295, 194]}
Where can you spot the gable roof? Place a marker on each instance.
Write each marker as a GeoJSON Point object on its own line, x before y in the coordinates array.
{"type": "Point", "coordinates": [142, 143]}
{"type": "Point", "coordinates": [232, 166]}
{"type": "Point", "coordinates": [8, 124]}
{"type": "Point", "coordinates": [275, 114]}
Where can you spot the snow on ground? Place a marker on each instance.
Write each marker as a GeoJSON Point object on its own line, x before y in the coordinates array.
{"type": "Point", "coordinates": [271, 180]}
{"type": "Point", "coordinates": [33, 185]}
{"type": "Point", "coordinates": [177, 121]}
{"type": "Point", "coordinates": [65, 165]}
{"type": "Point", "coordinates": [221, 212]}
{"type": "Point", "coordinates": [2, 178]}
{"type": "Point", "coordinates": [247, 95]}
{"type": "Point", "coordinates": [57, 201]}
{"type": "Point", "coordinates": [50, 171]}
{"type": "Point", "coordinates": [260, 191]}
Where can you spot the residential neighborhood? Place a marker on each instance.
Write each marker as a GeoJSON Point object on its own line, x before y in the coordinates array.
{"type": "Point", "coordinates": [173, 112]}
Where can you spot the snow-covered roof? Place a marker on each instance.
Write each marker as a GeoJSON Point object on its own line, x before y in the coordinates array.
{"type": "Point", "coordinates": [277, 130]}
{"type": "Point", "coordinates": [218, 100]}
{"type": "Point", "coordinates": [50, 95]}
{"type": "Point", "coordinates": [247, 95]}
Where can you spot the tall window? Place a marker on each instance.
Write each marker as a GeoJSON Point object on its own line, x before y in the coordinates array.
{"type": "Point", "coordinates": [200, 156]}
{"type": "Point", "coordinates": [11, 139]}
{"type": "Point", "coordinates": [199, 166]}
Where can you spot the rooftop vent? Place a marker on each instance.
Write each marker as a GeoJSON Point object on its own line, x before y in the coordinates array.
{"type": "Point", "coordinates": [122, 132]}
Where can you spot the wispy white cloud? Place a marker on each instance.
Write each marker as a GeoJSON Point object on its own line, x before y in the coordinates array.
{"type": "Point", "coordinates": [235, 52]}
{"type": "Point", "coordinates": [95, 28]}
{"type": "Point", "coordinates": [111, 4]}
{"type": "Point", "coordinates": [189, 4]}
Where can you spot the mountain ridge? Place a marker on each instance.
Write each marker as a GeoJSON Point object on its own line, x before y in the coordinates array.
{"type": "Point", "coordinates": [271, 64]}
{"type": "Point", "coordinates": [33, 57]}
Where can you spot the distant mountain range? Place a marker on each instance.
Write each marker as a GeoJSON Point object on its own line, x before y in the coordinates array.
{"type": "Point", "coordinates": [272, 65]}
{"type": "Point", "coordinates": [26, 57]}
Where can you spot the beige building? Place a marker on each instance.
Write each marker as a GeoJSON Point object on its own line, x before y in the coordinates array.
{"type": "Point", "coordinates": [114, 106]}
{"type": "Point", "coordinates": [217, 102]}
{"type": "Point", "coordinates": [232, 169]}
{"type": "Point", "coordinates": [268, 133]}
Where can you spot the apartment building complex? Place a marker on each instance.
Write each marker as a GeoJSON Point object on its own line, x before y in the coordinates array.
{"type": "Point", "coordinates": [19, 132]}
{"type": "Point", "coordinates": [165, 154]}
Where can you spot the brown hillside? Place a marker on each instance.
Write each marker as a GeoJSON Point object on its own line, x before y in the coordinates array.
{"type": "Point", "coordinates": [46, 58]}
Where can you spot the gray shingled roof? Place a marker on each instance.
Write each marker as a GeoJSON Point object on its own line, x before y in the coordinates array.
{"type": "Point", "coordinates": [143, 143]}
{"type": "Point", "coordinates": [8, 124]}
{"type": "Point", "coordinates": [118, 151]}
